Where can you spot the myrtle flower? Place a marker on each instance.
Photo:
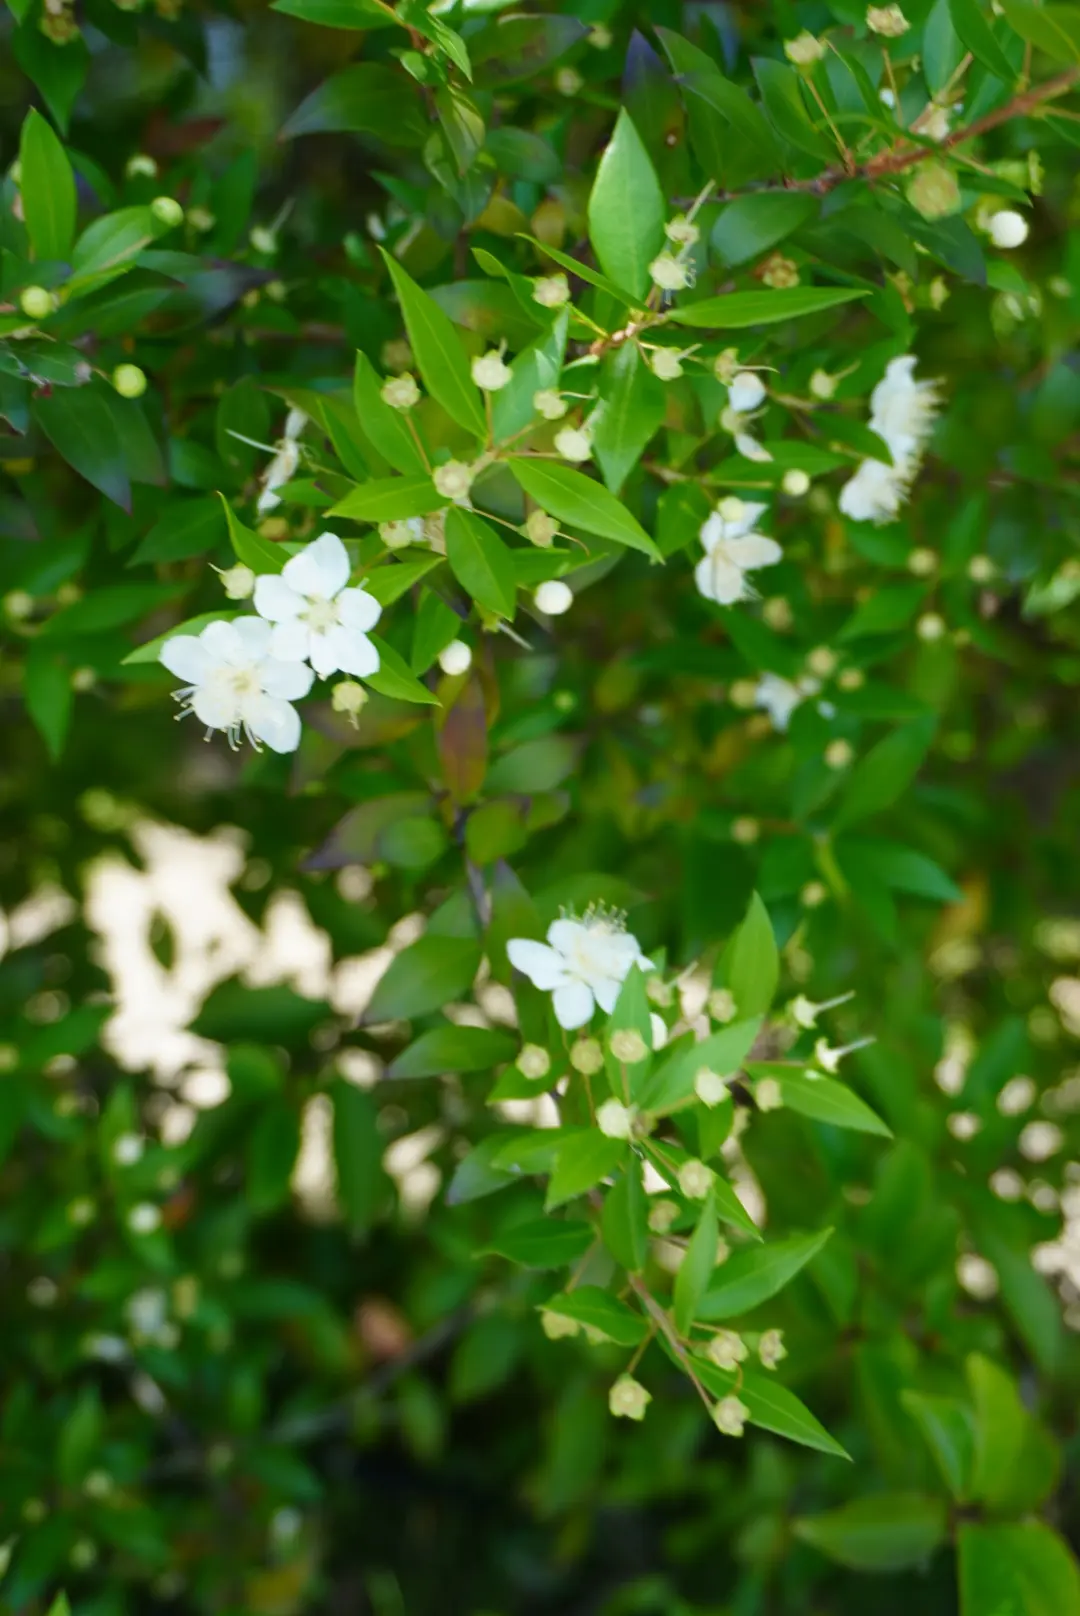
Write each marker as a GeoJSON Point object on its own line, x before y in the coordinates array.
{"type": "Point", "coordinates": [732, 549]}
{"type": "Point", "coordinates": [237, 683]}
{"type": "Point", "coordinates": [682, 231]}
{"type": "Point", "coordinates": [730, 1416]}
{"type": "Point", "coordinates": [876, 492]}
{"type": "Point", "coordinates": [727, 1349]}
{"type": "Point", "coordinates": [283, 466]}
{"type": "Point", "coordinates": [318, 617]}
{"type": "Point", "coordinates": [670, 273]}
{"type": "Point", "coordinates": [771, 1348]}
{"type": "Point", "coordinates": [574, 443]}
{"type": "Point", "coordinates": [583, 963]}
{"type": "Point", "coordinates": [453, 481]}
{"type": "Point", "coordinates": [491, 372]}
{"type": "Point", "coordinates": [1008, 229]}
{"type": "Point", "coordinates": [888, 21]}
{"type": "Point", "coordinates": [902, 412]}
{"type": "Point", "coordinates": [746, 390]}
{"type": "Point", "coordinates": [628, 1398]}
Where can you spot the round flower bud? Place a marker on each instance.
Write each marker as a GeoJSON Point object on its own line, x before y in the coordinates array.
{"type": "Point", "coordinates": [888, 21]}
{"type": "Point", "coordinates": [541, 529]}
{"type": "Point", "coordinates": [731, 508]}
{"type": "Point", "coordinates": [768, 1094]}
{"type": "Point", "coordinates": [263, 240]}
{"type": "Point", "coordinates": [348, 698]}
{"type": "Point", "coordinates": [804, 50]}
{"type": "Point", "coordinates": [822, 385]}
{"type": "Point", "coordinates": [615, 1120]}
{"type": "Point", "coordinates": [795, 482]}
{"type": "Point", "coordinates": [129, 381]}
{"type": "Point", "coordinates": [456, 658]}
{"type": "Point", "coordinates": [550, 404]}
{"type": "Point", "coordinates": [710, 1087]}
{"type": "Point", "coordinates": [1008, 229]}
{"type": "Point", "coordinates": [725, 365]}
{"type": "Point", "coordinates": [665, 364]}
{"type": "Point", "coordinates": [695, 1180]}
{"type": "Point", "coordinates": [202, 220]}
{"type": "Point", "coordinates": [81, 1211]}
{"type": "Point", "coordinates": [930, 626]}
{"type": "Point", "coordinates": [396, 354]}
{"type": "Point", "coordinates": [745, 392]}
{"type": "Point", "coordinates": [36, 303]}
{"type": "Point", "coordinates": [922, 562]}
{"type": "Point", "coordinates": [659, 992]}
{"type": "Point", "coordinates": [42, 1291]}
{"type": "Point", "coordinates": [838, 754]}
{"type": "Point", "coordinates": [551, 291]}
{"type": "Point", "coordinates": [727, 1349]}
{"type": "Point", "coordinates": [743, 693]}
{"type": "Point", "coordinates": [568, 81]}
{"type": "Point", "coordinates": [127, 1149]}
{"type": "Point", "coordinates": [682, 231]}
{"type": "Point", "coordinates": [662, 1214]}
{"type": "Point", "coordinates": [400, 392]}
{"type": "Point", "coordinates": [238, 582]}
{"type": "Point", "coordinates": [934, 191]}
{"type": "Point", "coordinates": [669, 273]}
{"type": "Point", "coordinates": [600, 36]}
{"type": "Point", "coordinates": [771, 1348]}
{"type": "Point", "coordinates": [730, 1416]}
{"type": "Point", "coordinates": [981, 569]}
{"type": "Point", "coordinates": [586, 1057]}
{"type": "Point", "coordinates": [141, 164]}
{"type": "Point", "coordinates": [533, 1062]}
{"type": "Point", "coordinates": [18, 605]}
{"type": "Point", "coordinates": [721, 1005]}
{"type": "Point", "coordinates": [556, 1326]}
{"type": "Point", "coordinates": [98, 1484]}
{"type": "Point", "coordinates": [573, 443]}
{"type": "Point", "coordinates": [83, 1553]}
{"type": "Point", "coordinates": [780, 272]}
{"type": "Point", "coordinates": [405, 530]}
{"type": "Point", "coordinates": [167, 211]}
{"type": "Point", "coordinates": [144, 1218]}
{"type": "Point", "coordinates": [628, 1399]}
{"type": "Point", "coordinates": [813, 894]}
{"type": "Point", "coordinates": [453, 480]}
{"type": "Point", "coordinates": [821, 661]}
{"type": "Point", "coordinates": [852, 679]}
{"type": "Point", "coordinates": [745, 830]}
{"type": "Point", "coordinates": [628, 1045]}
{"type": "Point", "coordinates": [490, 372]}
{"type": "Point", "coordinates": [554, 598]}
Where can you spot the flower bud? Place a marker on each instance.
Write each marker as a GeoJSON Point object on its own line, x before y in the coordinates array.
{"type": "Point", "coordinates": [628, 1045]}
{"type": "Point", "coordinates": [167, 211]}
{"type": "Point", "coordinates": [238, 582]}
{"type": "Point", "coordinates": [553, 598]}
{"type": "Point", "coordinates": [795, 482]}
{"type": "Point", "coordinates": [533, 1061]}
{"type": "Point", "coordinates": [930, 626]}
{"type": "Point", "coordinates": [573, 443]}
{"type": "Point", "coordinates": [1008, 229]}
{"type": "Point", "coordinates": [615, 1120]}
{"type": "Point", "coordinates": [721, 1005]}
{"type": "Point", "coordinates": [36, 303]}
{"type": "Point", "coordinates": [400, 392]}
{"type": "Point", "coordinates": [771, 1348]}
{"type": "Point", "coordinates": [838, 754]}
{"type": "Point", "coordinates": [710, 1087]}
{"type": "Point", "coordinates": [695, 1180]}
{"type": "Point", "coordinates": [541, 529]}
{"type": "Point", "coordinates": [682, 231]}
{"type": "Point", "coordinates": [822, 385]}
{"type": "Point", "coordinates": [628, 1399]}
{"type": "Point", "coordinates": [669, 272]}
{"type": "Point", "coordinates": [556, 1326]}
{"type": "Point", "coordinates": [263, 240]}
{"type": "Point", "coordinates": [745, 830]}
{"type": "Point", "coordinates": [780, 273]}
{"type": "Point", "coordinates": [662, 1214]}
{"type": "Point", "coordinates": [490, 372]}
{"type": "Point", "coordinates": [804, 50]}
{"type": "Point", "coordinates": [144, 1218]}
{"type": "Point", "coordinates": [551, 291]}
{"type": "Point", "coordinates": [568, 81]}
{"type": "Point", "coordinates": [586, 1057]}
{"type": "Point", "coordinates": [453, 480]}
{"type": "Point", "coordinates": [730, 1416]}
{"type": "Point", "coordinates": [745, 392]}
{"type": "Point", "coordinates": [727, 1349]}
{"type": "Point", "coordinates": [888, 21]}
{"type": "Point", "coordinates": [456, 658]}
{"type": "Point", "coordinates": [348, 698]}
{"type": "Point", "coordinates": [140, 164]}
{"type": "Point", "coordinates": [934, 191]}
{"type": "Point", "coordinates": [129, 381]}
{"type": "Point", "coordinates": [550, 404]}
{"type": "Point", "coordinates": [768, 1094]}
{"type": "Point", "coordinates": [813, 894]}
{"type": "Point", "coordinates": [665, 364]}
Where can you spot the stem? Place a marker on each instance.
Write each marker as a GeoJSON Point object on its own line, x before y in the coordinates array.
{"type": "Point", "coordinates": [664, 1324]}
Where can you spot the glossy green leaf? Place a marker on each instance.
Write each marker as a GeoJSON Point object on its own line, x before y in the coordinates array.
{"type": "Point", "coordinates": [723, 1052]}
{"type": "Point", "coordinates": [601, 1312]}
{"type": "Point", "coordinates": [585, 1156]}
{"type": "Point", "coordinates": [1016, 1569]}
{"type": "Point", "coordinates": [358, 1149]}
{"type": "Point", "coordinates": [752, 224]}
{"type": "Point", "coordinates": [366, 98]}
{"type": "Point", "coordinates": [83, 432]}
{"type": "Point", "coordinates": [878, 779]}
{"type": "Point", "coordinates": [454, 1049]}
{"type": "Point", "coordinates": [976, 35]}
{"type": "Point", "coordinates": [190, 527]}
{"type": "Point", "coordinates": [480, 561]}
{"type": "Point", "coordinates": [695, 1270]}
{"type": "Point", "coordinates": [48, 189]}
{"type": "Point", "coordinates": [626, 209]}
{"type": "Point", "coordinates": [439, 353]}
{"type": "Point", "coordinates": [751, 962]}
{"type": "Point", "coordinates": [781, 92]}
{"type": "Point", "coordinates": [1054, 29]}
{"type": "Point", "coordinates": [390, 499]}
{"type": "Point", "coordinates": [624, 1220]}
{"type": "Point", "coordinates": [48, 693]}
{"type": "Point", "coordinates": [543, 1242]}
{"type": "Point", "coordinates": [634, 405]}
{"type": "Point", "coordinates": [948, 1429]}
{"type": "Point", "coordinates": [261, 555]}
{"type": "Point", "coordinates": [736, 311]}
{"type": "Point", "coordinates": [887, 1532]}
{"type": "Point", "coordinates": [396, 679]}
{"type": "Point", "coordinates": [750, 1277]}
{"type": "Point", "coordinates": [826, 1100]}
{"type": "Point", "coordinates": [387, 428]}
{"type": "Point", "coordinates": [426, 976]}
{"type": "Point", "coordinates": [352, 14]}
{"type": "Point", "coordinates": [579, 500]}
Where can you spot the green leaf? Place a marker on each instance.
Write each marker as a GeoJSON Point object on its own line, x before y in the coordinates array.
{"type": "Point", "coordinates": [977, 36]}
{"type": "Point", "coordinates": [577, 499]}
{"type": "Point", "coordinates": [480, 562]}
{"type": "Point", "coordinates": [454, 1049]}
{"type": "Point", "coordinates": [942, 50]}
{"type": "Point", "coordinates": [602, 1312]}
{"type": "Point", "coordinates": [771, 1406]}
{"type": "Point", "coordinates": [751, 1277]}
{"type": "Point", "coordinates": [387, 428]}
{"type": "Point", "coordinates": [696, 1268]}
{"type": "Point", "coordinates": [738, 310]}
{"type": "Point", "coordinates": [390, 499]}
{"type": "Point", "coordinates": [357, 14]}
{"type": "Point", "coordinates": [751, 962]}
{"type": "Point", "coordinates": [884, 611]}
{"type": "Point", "coordinates": [358, 1151]}
{"type": "Point", "coordinates": [430, 973]}
{"type": "Point", "coordinates": [270, 1155]}
{"type": "Point", "coordinates": [389, 583]}
{"type": "Point", "coordinates": [187, 528]}
{"type": "Point", "coordinates": [626, 209]}
{"type": "Point", "coordinates": [901, 868]}
{"type": "Point", "coordinates": [109, 245]}
{"type": "Point", "coordinates": [752, 224]}
{"type": "Point", "coordinates": [260, 554]}
{"type": "Point", "coordinates": [544, 1243]}
{"type": "Point", "coordinates": [1029, 1300]}
{"type": "Point", "coordinates": [1019, 1569]}
{"type": "Point", "coordinates": [522, 47]}
{"type": "Point", "coordinates": [80, 1438]}
{"type": "Point", "coordinates": [47, 687]}
{"type": "Point", "coordinates": [886, 1532]}
{"type": "Point", "coordinates": [1053, 29]}
{"type": "Point", "coordinates": [396, 679]}
{"type": "Point", "coordinates": [82, 430]}
{"type": "Point", "coordinates": [879, 778]}
{"type": "Point", "coordinates": [722, 1052]}
{"type": "Point", "coordinates": [634, 403]}
{"type": "Point", "coordinates": [781, 92]}
{"type": "Point", "coordinates": [462, 125]}
{"type": "Point", "coordinates": [624, 1220]}
{"type": "Point", "coordinates": [536, 368]}
{"type": "Point", "coordinates": [365, 99]}
{"type": "Point", "coordinates": [60, 1606]}
{"type": "Point", "coordinates": [574, 266]}
{"type": "Point", "coordinates": [949, 1433]}
{"type": "Point", "coordinates": [585, 1156]}
{"type": "Point", "coordinates": [476, 1175]}
{"type": "Point", "coordinates": [1001, 1422]}
{"type": "Point", "coordinates": [732, 137]}
{"type": "Point", "coordinates": [826, 1100]}
{"type": "Point", "coordinates": [110, 606]}
{"type": "Point", "coordinates": [439, 353]}
{"type": "Point", "coordinates": [48, 189]}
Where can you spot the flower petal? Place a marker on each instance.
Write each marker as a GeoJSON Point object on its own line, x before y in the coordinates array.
{"type": "Point", "coordinates": [720, 581]}
{"type": "Point", "coordinates": [274, 722]}
{"type": "Point", "coordinates": [215, 706]}
{"type": "Point", "coordinates": [276, 600]}
{"type": "Point", "coordinates": [358, 610]}
{"type": "Point", "coordinates": [286, 680]}
{"type": "Point", "coordinates": [187, 657]}
{"type": "Point", "coordinates": [322, 652]}
{"type": "Point", "coordinates": [712, 531]}
{"type": "Point", "coordinates": [541, 964]}
{"type": "Point", "coordinates": [573, 1005]}
{"type": "Point", "coordinates": [291, 642]}
{"type": "Point", "coordinates": [606, 989]}
{"type": "Point", "coordinates": [353, 652]}
{"type": "Point", "coordinates": [565, 934]}
{"type": "Point", "coordinates": [321, 570]}
{"type": "Point", "coordinates": [223, 642]}
{"type": "Point", "coordinates": [253, 637]}
{"type": "Point", "coordinates": [754, 550]}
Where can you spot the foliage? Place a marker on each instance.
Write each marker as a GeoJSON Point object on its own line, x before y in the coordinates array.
{"type": "Point", "coordinates": [642, 1018]}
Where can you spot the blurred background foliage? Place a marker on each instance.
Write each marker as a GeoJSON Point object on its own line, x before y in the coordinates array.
{"type": "Point", "coordinates": [255, 1360]}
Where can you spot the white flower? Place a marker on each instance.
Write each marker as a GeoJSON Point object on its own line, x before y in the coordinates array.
{"type": "Point", "coordinates": [319, 617]}
{"type": "Point", "coordinates": [400, 392]}
{"type": "Point", "coordinates": [888, 21]}
{"type": "Point", "coordinates": [144, 1218]}
{"type": "Point", "coordinates": [710, 1087]}
{"type": "Point", "coordinates": [553, 598]}
{"type": "Point", "coordinates": [780, 697]}
{"type": "Point", "coordinates": [665, 364]}
{"type": "Point", "coordinates": [745, 392]}
{"type": "Point", "coordinates": [682, 231]}
{"type": "Point", "coordinates": [902, 410]}
{"type": "Point", "coordinates": [750, 449]}
{"type": "Point", "coordinates": [453, 481]}
{"type": "Point", "coordinates": [583, 964]}
{"type": "Point", "coordinates": [1008, 228]}
{"type": "Point", "coordinates": [768, 1094]}
{"type": "Point", "coordinates": [727, 1349]}
{"type": "Point", "coordinates": [456, 658]}
{"type": "Point", "coordinates": [933, 122]}
{"type": "Point", "coordinates": [670, 273]}
{"type": "Point", "coordinates": [876, 492]}
{"type": "Point", "coordinates": [771, 1348]}
{"type": "Point", "coordinates": [237, 684]}
{"type": "Point", "coordinates": [804, 49]}
{"type": "Point", "coordinates": [573, 443]}
{"type": "Point", "coordinates": [628, 1398]}
{"type": "Point", "coordinates": [283, 466]}
{"type": "Point", "coordinates": [238, 582]}
{"type": "Point", "coordinates": [551, 291]}
{"type": "Point", "coordinates": [732, 549]}
{"type": "Point", "coordinates": [615, 1120]}
{"type": "Point", "coordinates": [730, 1416]}
{"type": "Point", "coordinates": [491, 372]}
{"type": "Point", "coordinates": [695, 1180]}
{"type": "Point", "coordinates": [550, 404]}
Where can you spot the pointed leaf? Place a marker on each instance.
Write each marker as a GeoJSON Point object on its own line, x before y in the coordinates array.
{"type": "Point", "coordinates": [48, 189]}
{"type": "Point", "coordinates": [737, 310]}
{"type": "Point", "coordinates": [751, 1277]}
{"type": "Point", "coordinates": [480, 561]}
{"type": "Point", "coordinates": [439, 352]}
{"type": "Point", "coordinates": [626, 209]}
{"type": "Point", "coordinates": [579, 500]}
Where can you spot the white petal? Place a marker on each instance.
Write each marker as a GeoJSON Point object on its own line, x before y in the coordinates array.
{"type": "Point", "coordinates": [274, 722]}
{"type": "Point", "coordinates": [275, 599]}
{"type": "Point", "coordinates": [187, 657]}
{"type": "Point", "coordinates": [320, 570]}
{"type": "Point", "coordinates": [750, 448]}
{"type": "Point", "coordinates": [573, 1005]}
{"type": "Point", "coordinates": [253, 637]}
{"type": "Point", "coordinates": [223, 642]}
{"type": "Point", "coordinates": [755, 550]}
{"type": "Point", "coordinates": [541, 964]}
{"type": "Point", "coordinates": [358, 610]}
{"type": "Point", "coordinates": [712, 531]}
{"type": "Point", "coordinates": [321, 652]}
{"type": "Point", "coordinates": [718, 580]}
{"type": "Point", "coordinates": [291, 642]}
{"type": "Point", "coordinates": [745, 392]}
{"type": "Point", "coordinates": [606, 989]}
{"type": "Point", "coordinates": [287, 681]}
{"type": "Point", "coordinates": [353, 653]}
{"type": "Point", "coordinates": [565, 934]}
{"type": "Point", "coordinates": [215, 706]}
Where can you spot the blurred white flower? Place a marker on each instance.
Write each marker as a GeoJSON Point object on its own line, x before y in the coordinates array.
{"type": "Point", "coordinates": [1008, 228]}
{"type": "Point", "coordinates": [283, 466]}
{"type": "Point", "coordinates": [732, 549]}
{"type": "Point", "coordinates": [779, 697]}
{"type": "Point", "coordinates": [745, 391]}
